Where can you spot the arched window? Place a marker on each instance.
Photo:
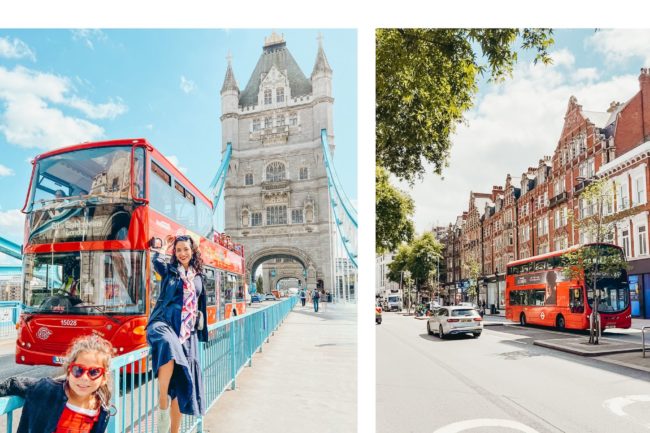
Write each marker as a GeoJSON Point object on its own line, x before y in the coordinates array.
{"type": "Point", "coordinates": [275, 171]}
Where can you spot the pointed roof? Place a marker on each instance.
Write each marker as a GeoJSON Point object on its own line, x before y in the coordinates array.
{"type": "Point", "coordinates": [321, 64]}
{"type": "Point", "coordinates": [229, 82]}
{"type": "Point", "coordinates": [275, 53]}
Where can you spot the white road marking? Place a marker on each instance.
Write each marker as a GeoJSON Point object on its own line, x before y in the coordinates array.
{"type": "Point", "coordinates": [616, 405]}
{"type": "Point", "coordinates": [485, 422]}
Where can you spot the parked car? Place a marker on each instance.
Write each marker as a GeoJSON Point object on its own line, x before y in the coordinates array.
{"type": "Point", "coordinates": [270, 297]}
{"type": "Point", "coordinates": [378, 315]}
{"type": "Point", "coordinates": [256, 297]}
{"type": "Point", "coordinates": [455, 319]}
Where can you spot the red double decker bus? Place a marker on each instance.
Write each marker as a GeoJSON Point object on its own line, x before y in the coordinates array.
{"type": "Point", "coordinates": [540, 292]}
{"type": "Point", "coordinates": [92, 210]}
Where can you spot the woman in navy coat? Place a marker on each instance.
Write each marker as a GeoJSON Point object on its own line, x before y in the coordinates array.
{"type": "Point", "coordinates": [176, 325]}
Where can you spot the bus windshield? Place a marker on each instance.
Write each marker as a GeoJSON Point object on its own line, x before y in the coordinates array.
{"type": "Point", "coordinates": [84, 195]}
{"type": "Point", "coordinates": [87, 282]}
{"type": "Point", "coordinates": [103, 173]}
{"type": "Point", "coordinates": [606, 262]}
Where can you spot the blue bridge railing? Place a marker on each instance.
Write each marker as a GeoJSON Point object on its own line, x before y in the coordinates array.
{"type": "Point", "coordinates": [230, 347]}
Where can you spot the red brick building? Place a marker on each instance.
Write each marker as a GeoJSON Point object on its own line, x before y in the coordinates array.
{"type": "Point", "coordinates": [532, 215]}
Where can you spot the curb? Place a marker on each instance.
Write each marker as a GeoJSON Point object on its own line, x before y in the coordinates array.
{"type": "Point", "coordinates": [564, 348]}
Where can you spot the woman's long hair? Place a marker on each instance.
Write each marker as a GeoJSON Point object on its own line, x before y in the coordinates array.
{"type": "Point", "coordinates": [196, 261]}
{"type": "Point", "coordinates": [93, 343]}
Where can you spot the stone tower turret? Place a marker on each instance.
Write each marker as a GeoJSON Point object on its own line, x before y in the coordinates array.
{"type": "Point", "coordinates": [321, 82]}
{"type": "Point", "coordinates": [229, 108]}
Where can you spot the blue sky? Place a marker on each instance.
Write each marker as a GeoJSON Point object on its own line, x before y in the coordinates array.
{"type": "Point", "coordinates": [515, 123]}
{"type": "Point", "coordinates": [60, 87]}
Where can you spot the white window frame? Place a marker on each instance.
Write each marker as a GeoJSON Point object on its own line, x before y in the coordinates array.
{"type": "Point", "coordinates": [641, 244]}
{"type": "Point", "coordinates": [268, 96]}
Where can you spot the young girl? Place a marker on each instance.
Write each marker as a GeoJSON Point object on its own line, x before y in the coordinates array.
{"type": "Point", "coordinates": [77, 402]}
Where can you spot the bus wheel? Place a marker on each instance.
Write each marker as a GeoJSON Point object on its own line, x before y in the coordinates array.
{"type": "Point", "coordinates": [560, 323]}
{"type": "Point", "coordinates": [522, 319]}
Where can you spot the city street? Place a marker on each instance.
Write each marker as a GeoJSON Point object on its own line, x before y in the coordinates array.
{"type": "Point", "coordinates": [501, 382]}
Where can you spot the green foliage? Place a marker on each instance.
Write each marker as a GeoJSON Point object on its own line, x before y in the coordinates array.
{"type": "Point", "coordinates": [394, 209]}
{"type": "Point", "coordinates": [425, 250]}
{"type": "Point", "coordinates": [425, 82]}
{"type": "Point", "coordinates": [259, 284]}
{"type": "Point", "coordinates": [419, 258]}
{"type": "Point", "coordinates": [400, 263]}
{"type": "Point", "coordinates": [473, 271]}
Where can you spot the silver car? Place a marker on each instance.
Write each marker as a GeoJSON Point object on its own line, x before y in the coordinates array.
{"type": "Point", "coordinates": [455, 320]}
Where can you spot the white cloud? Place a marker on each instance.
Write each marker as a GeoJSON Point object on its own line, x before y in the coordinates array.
{"type": "Point", "coordinates": [5, 171]}
{"type": "Point", "coordinates": [15, 49]}
{"type": "Point", "coordinates": [187, 86]}
{"type": "Point", "coordinates": [174, 160]}
{"type": "Point", "coordinates": [512, 128]}
{"type": "Point", "coordinates": [587, 74]}
{"type": "Point", "coordinates": [12, 225]}
{"type": "Point", "coordinates": [33, 115]}
{"type": "Point", "coordinates": [563, 57]}
{"type": "Point", "coordinates": [620, 45]}
{"type": "Point", "coordinates": [88, 36]}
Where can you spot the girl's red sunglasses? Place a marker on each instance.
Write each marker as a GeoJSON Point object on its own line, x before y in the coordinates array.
{"type": "Point", "coordinates": [94, 373]}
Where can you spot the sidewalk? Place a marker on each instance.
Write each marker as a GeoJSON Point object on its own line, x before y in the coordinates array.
{"type": "Point", "coordinates": [304, 379]}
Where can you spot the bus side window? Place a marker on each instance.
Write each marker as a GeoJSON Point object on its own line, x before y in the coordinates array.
{"type": "Point", "coordinates": [523, 297]}
{"type": "Point", "coordinates": [540, 265]}
{"type": "Point", "coordinates": [576, 300]}
{"type": "Point", "coordinates": [210, 287]}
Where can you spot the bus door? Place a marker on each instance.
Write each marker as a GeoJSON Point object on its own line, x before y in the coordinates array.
{"type": "Point", "coordinates": [576, 307]}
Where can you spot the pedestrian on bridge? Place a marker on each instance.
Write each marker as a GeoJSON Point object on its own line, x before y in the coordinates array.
{"type": "Point", "coordinates": [176, 325]}
{"type": "Point", "coordinates": [303, 297]}
{"type": "Point", "coordinates": [79, 401]}
{"type": "Point", "coordinates": [315, 297]}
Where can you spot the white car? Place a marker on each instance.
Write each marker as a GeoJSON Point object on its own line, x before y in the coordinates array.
{"type": "Point", "coordinates": [455, 319]}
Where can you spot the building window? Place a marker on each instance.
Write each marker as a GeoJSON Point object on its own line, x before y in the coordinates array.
{"type": "Point", "coordinates": [642, 241]}
{"type": "Point", "coordinates": [304, 173]}
{"type": "Point", "coordinates": [268, 96]}
{"type": "Point", "coordinates": [279, 121]}
{"type": "Point", "coordinates": [293, 119]}
{"type": "Point", "coordinates": [639, 191]}
{"type": "Point", "coordinates": [275, 171]}
{"type": "Point", "coordinates": [256, 219]}
{"type": "Point", "coordinates": [257, 125]}
{"type": "Point", "coordinates": [625, 239]}
{"type": "Point", "coordinates": [276, 215]}
{"type": "Point", "coordinates": [279, 94]}
{"type": "Point", "coordinates": [268, 122]}
{"type": "Point", "coordinates": [296, 216]}
{"type": "Point", "coordinates": [249, 179]}
{"type": "Point", "coordinates": [623, 197]}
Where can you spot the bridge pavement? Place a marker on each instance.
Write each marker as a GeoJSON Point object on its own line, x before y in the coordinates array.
{"type": "Point", "coordinates": [305, 380]}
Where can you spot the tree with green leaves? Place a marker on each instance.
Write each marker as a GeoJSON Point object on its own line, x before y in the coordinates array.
{"type": "Point", "coordinates": [598, 265]}
{"type": "Point", "coordinates": [473, 271]}
{"type": "Point", "coordinates": [425, 252]}
{"type": "Point", "coordinates": [426, 80]}
{"type": "Point", "coordinates": [393, 213]}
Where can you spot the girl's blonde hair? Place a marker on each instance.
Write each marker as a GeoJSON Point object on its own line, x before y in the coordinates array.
{"type": "Point", "coordinates": [92, 343]}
